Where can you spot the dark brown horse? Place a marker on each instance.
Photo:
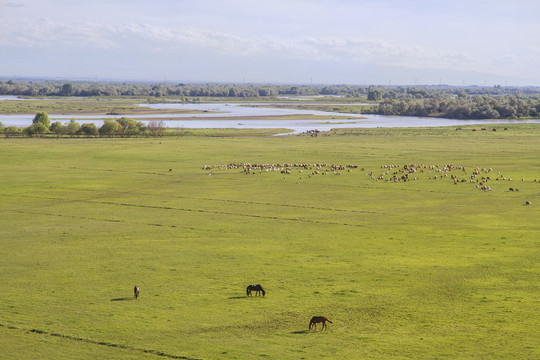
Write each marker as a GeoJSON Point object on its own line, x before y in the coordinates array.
{"type": "Point", "coordinates": [257, 288]}
{"type": "Point", "coordinates": [136, 290]}
{"type": "Point", "coordinates": [318, 319]}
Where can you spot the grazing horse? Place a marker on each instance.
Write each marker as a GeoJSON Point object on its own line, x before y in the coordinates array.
{"type": "Point", "coordinates": [318, 319]}
{"type": "Point", "coordinates": [136, 290]}
{"type": "Point", "coordinates": [257, 288]}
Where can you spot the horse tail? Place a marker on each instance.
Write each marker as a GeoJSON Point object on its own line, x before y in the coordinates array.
{"type": "Point", "coordinates": [247, 290]}
{"type": "Point", "coordinates": [329, 321]}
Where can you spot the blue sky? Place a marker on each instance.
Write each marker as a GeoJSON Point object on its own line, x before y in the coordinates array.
{"type": "Point", "coordinates": [458, 42]}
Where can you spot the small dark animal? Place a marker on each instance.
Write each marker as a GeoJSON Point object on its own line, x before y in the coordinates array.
{"type": "Point", "coordinates": [136, 290]}
{"type": "Point", "coordinates": [511, 189]}
{"type": "Point", "coordinates": [257, 288]}
{"type": "Point", "coordinates": [528, 203]}
{"type": "Point", "coordinates": [318, 319]}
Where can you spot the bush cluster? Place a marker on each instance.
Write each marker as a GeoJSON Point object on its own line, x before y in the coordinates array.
{"type": "Point", "coordinates": [122, 127]}
{"type": "Point", "coordinates": [465, 107]}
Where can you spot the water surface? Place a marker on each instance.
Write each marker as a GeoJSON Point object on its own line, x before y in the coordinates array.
{"type": "Point", "coordinates": [240, 114]}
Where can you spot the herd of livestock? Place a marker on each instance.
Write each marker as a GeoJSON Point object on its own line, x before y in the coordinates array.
{"type": "Point", "coordinates": [258, 289]}
{"type": "Point", "coordinates": [480, 177]}
{"type": "Point", "coordinates": [284, 168]}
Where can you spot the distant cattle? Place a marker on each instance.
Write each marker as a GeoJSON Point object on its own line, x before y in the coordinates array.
{"type": "Point", "coordinates": [136, 290]}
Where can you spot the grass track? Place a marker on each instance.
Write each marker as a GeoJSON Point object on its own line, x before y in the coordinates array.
{"type": "Point", "coordinates": [422, 269]}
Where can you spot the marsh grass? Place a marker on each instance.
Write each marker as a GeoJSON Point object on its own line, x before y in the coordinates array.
{"type": "Point", "coordinates": [84, 106]}
{"type": "Point", "coordinates": [422, 269]}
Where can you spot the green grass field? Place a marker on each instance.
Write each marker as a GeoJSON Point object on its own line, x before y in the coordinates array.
{"type": "Point", "coordinates": [422, 269]}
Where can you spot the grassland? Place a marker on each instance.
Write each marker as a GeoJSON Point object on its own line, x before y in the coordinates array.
{"type": "Point", "coordinates": [422, 269]}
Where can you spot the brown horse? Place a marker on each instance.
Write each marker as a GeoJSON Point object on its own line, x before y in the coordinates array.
{"type": "Point", "coordinates": [318, 319]}
{"type": "Point", "coordinates": [136, 290]}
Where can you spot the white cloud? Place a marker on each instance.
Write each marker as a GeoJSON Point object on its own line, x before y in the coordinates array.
{"type": "Point", "coordinates": [45, 33]}
{"type": "Point", "coordinates": [176, 41]}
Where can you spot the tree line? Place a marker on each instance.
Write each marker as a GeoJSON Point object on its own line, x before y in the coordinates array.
{"type": "Point", "coordinates": [86, 89]}
{"type": "Point", "coordinates": [465, 107]}
{"type": "Point", "coordinates": [43, 88]}
{"type": "Point", "coordinates": [122, 127]}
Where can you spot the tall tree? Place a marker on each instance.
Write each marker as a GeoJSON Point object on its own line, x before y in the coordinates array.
{"type": "Point", "coordinates": [42, 118]}
{"type": "Point", "coordinates": [109, 128]}
{"type": "Point", "coordinates": [73, 128]}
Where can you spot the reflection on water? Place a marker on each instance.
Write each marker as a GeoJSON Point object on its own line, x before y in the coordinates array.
{"type": "Point", "coordinates": [207, 120]}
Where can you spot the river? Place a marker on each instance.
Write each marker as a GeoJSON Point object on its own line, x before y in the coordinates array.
{"type": "Point", "coordinates": [240, 114]}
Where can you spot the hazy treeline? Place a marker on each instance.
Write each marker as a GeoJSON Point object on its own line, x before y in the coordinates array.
{"type": "Point", "coordinates": [83, 88]}
{"type": "Point", "coordinates": [376, 93]}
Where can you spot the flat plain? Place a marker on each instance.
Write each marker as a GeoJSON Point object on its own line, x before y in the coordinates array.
{"type": "Point", "coordinates": [433, 267]}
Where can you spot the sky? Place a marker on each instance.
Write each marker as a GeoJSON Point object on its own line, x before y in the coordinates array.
{"type": "Point", "coordinates": [362, 42]}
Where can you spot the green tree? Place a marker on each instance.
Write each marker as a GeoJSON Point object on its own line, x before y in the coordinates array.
{"type": "Point", "coordinates": [128, 127]}
{"type": "Point", "coordinates": [43, 118]}
{"type": "Point", "coordinates": [374, 95]}
{"type": "Point", "coordinates": [73, 128]}
{"type": "Point", "coordinates": [142, 127]}
{"type": "Point", "coordinates": [36, 129]}
{"type": "Point", "coordinates": [58, 128]}
{"type": "Point", "coordinates": [67, 89]}
{"type": "Point", "coordinates": [89, 129]}
{"type": "Point", "coordinates": [11, 131]}
{"type": "Point", "coordinates": [109, 128]}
